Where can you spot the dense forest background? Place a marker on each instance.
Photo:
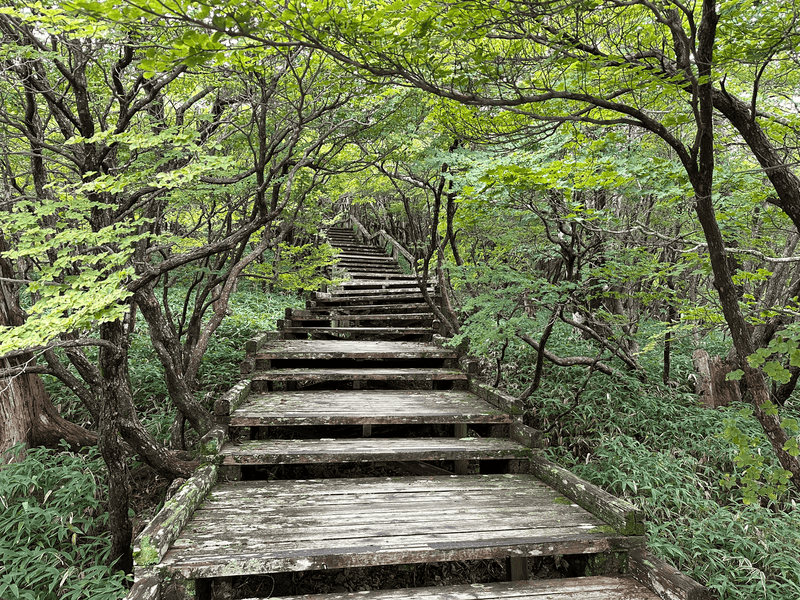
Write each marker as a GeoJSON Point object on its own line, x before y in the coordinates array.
{"type": "Point", "coordinates": [605, 192]}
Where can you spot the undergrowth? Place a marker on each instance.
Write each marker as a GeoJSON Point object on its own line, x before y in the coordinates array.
{"type": "Point", "coordinates": [659, 448]}
{"type": "Point", "coordinates": [53, 541]}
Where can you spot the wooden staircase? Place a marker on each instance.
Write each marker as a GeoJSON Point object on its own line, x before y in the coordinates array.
{"type": "Point", "coordinates": [355, 379]}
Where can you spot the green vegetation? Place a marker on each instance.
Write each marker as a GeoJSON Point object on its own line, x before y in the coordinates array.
{"type": "Point", "coordinates": [53, 541]}
{"type": "Point", "coordinates": [602, 191]}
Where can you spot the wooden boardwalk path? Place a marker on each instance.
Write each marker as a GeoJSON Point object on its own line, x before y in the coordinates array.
{"type": "Point", "coordinates": [355, 378]}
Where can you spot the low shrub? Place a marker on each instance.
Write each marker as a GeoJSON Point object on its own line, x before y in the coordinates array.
{"type": "Point", "coordinates": [53, 540]}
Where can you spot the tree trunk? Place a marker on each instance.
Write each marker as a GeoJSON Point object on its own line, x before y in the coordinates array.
{"type": "Point", "coordinates": [27, 415]}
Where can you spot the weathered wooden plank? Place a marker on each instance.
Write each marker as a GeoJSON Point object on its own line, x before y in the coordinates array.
{"type": "Point", "coordinates": [240, 561]}
{"type": "Point", "coordinates": [338, 349]}
{"type": "Point", "coordinates": [399, 308]}
{"type": "Point", "coordinates": [527, 436]}
{"type": "Point", "coordinates": [253, 345]}
{"type": "Point", "coordinates": [518, 517]}
{"type": "Point", "coordinates": [152, 543]}
{"type": "Point", "coordinates": [417, 517]}
{"type": "Point", "coordinates": [371, 374]}
{"type": "Point", "coordinates": [376, 331]}
{"type": "Point", "coordinates": [620, 514]}
{"type": "Point", "coordinates": [305, 315]}
{"type": "Point", "coordinates": [231, 400]}
{"type": "Point", "coordinates": [375, 298]}
{"type": "Point", "coordinates": [362, 292]}
{"type": "Point", "coordinates": [370, 450]}
{"type": "Point", "coordinates": [573, 588]}
{"type": "Point", "coordinates": [211, 443]}
{"type": "Point", "coordinates": [664, 579]}
{"type": "Point", "coordinates": [145, 588]}
{"type": "Point", "coordinates": [496, 397]}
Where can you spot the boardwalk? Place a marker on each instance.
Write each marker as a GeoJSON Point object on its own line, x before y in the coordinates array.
{"type": "Point", "coordinates": [358, 379]}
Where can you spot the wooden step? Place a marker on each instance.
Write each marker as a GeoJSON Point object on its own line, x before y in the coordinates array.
{"type": "Point", "coordinates": [365, 407]}
{"type": "Point", "coordinates": [362, 350]}
{"type": "Point", "coordinates": [572, 588]}
{"type": "Point", "coordinates": [273, 452]}
{"type": "Point", "coordinates": [308, 316]}
{"type": "Point", "coordinates": [344, 333]}
{"type": "Point", "coordinates": [370, 291]}
{"type": "Point", "coordinates": [371, 374]}
{"type": "Point", "coordinates": [260, 527]}
{"type": "Point", "coordinates": [376, 298]}
{"type": "Point", "coordinates": [408, 280]}
{"type": "Point", "coordinates": [364, 275]}
{"type": "Point", "coordinates": [345, 310]}
{"type": "Point", "coordinates": [367, 258]}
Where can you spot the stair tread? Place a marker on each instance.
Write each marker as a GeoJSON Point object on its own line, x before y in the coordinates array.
{"type": "Point", "coordinates": [370, 449]}
{"type": "Point", "coordinates": [339, 349]}
{"type": "Point", "coordinates": [357, 407]}
{"type": "Point", "coordinates": [376, 291]}
{"type": "Point", "coordinates": [342, 310]}
{"type": "Point", "coordinates": [299, 316]}
{"type": "Point", "coordinates": [261, 527]}
{"type": "Point", "coordinates": [401, 329]}
{"type": "Point", "coordinates": [573, 588]}
{"type": "Point", "coordinates": [377, 373]}
{"type": "Point", "coordinates": [338, 299]}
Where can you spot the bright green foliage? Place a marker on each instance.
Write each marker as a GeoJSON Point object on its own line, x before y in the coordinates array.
{"type": "Point", "coordinates": [52, 538]}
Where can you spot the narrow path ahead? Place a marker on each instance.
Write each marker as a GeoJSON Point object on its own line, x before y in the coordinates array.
{"type": "Point", "coordinates": [356, 378]}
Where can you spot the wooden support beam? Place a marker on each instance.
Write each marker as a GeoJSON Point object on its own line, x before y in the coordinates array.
{"type": "Point", "coordinates": [621, 515]}
{"type": "Point", "coordinates": [516, 568]}
{"type": "Point", "coordinates": [664, 579]}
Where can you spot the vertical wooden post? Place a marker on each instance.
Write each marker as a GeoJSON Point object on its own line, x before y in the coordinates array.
{"type": "Point", "coordinates": [460, 467]}
{"type": "Point", "coordinates": [517, 568]}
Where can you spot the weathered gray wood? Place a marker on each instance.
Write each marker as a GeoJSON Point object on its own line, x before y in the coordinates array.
{"type": "Point", "coordinates": [145, 588]}
{"type": "Point", "coordinates": [573, 588]}
{"type": "Point", "coordinates": [516, 568]}
{"type": "Point", "coordinates": [211, 443]}
{"type": "Point", "coordinates": [340, 349]}
{"type": "Point", "coordinates": [621, 515]}
{"type": "Point", "coordinates": [527, 436]}
{"type": "Point", "coordinates": [374, 298]}
{"type": "Point", "coordinates": [370, 450]}
{"type": "Point", "coordinates": [366, 292]}
{"type": "Point", "coordinates": [664, 579]}
{"type": "Point", "coordinates": [255, 343]}
{"type": "Point", "coordinates": [305, 315]}
{"type": "Point", "coordinates": [231, 400]}
{"type": "Point", "coordinates": [153, 542]}
{"type": "Point", "coordinates": [344, 407]}
{"type": "Point", "coordinates": [374, 331]}
{"type": "Point", "coordinates": [405, 520]}
{"type": "Point", "coordinates": [497, 398]}
{"type": "Point", "coordinates": [399, 308]}
{"type": "Point", "coordinates": [371, 374]}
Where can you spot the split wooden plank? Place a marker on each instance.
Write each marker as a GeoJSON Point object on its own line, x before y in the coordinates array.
{"type": "Point", "coordinates": [574, 588]}
{"type": "Point", "coordinates": [369, 450]}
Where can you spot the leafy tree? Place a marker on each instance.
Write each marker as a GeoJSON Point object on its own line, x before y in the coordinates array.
{"type": "Point", "coordinates": [124, 171]}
